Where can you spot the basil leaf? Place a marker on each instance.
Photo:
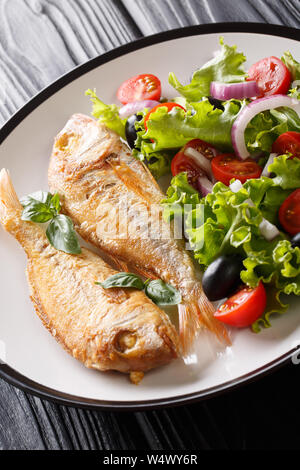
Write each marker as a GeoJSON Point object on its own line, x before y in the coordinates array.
{"type": "Point", "coordinates": [62, 236]}
{"type": "Point", "coordinates": [122, 280]}
{"type": "Point", "coordinates": [37, 212]}
{"type": "Point", "coordinates": [40, 207]}
{"type": "Point", "coordinates": [162, 294]}
{"type": "Point", "coordinates": [40, 196]}
{"type": "Point", "coordinates": [55, 204]}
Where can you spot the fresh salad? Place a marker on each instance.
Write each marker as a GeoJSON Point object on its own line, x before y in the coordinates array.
{"type": "Point", "coordinates": [231, 139]}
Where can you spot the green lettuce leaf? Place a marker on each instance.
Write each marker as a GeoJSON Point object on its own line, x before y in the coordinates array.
{"type": "Point", "coordinates": [179, 195]}
{"type": "Point", "coordinates": [274, 306]}
{"type": "Point", "coordinates": [287, 172]}
{"type": "Point", "coordinates": [226, 67]}
{"type": "Point", "coordinates": [292, 65]}
{"type": "Point", "coordinates": [227, 223]}
{"type": "Point", "coordinates": [159, 163]}
{"type": "Point", "coordinates": [107, 114]}
{"type": "Point", "coordinates": [265, 127]}
{"type": "Point", "coordinates": [294, 68]}
{"type": "Point", "coordinates": [175, 129]}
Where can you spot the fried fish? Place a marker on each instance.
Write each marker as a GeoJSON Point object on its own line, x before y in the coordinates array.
{"type": "Point", "coordinates": [102, 186]}
{"type": "Point", "coordinates": [113, 329]}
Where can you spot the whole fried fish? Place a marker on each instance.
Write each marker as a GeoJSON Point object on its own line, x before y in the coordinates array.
{"type": "Point", "coordinates": [103, 187]}
{"type": "Point", "coordinates": [114, 329]}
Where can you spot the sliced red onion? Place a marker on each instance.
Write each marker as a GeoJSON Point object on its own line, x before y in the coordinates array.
{"type": "Point", "coordinates": [239, 91]}
{"type": "Point", "coordinates": [269, 162]}
{"type": "Point", "coordinates": [268, 230]}
{"type": "Point", "coordinates": [205, 186]}
{"type": "Point", "coordinates": [201, 160]}
{"type": "Point", "coordinates": [249, 112]}
{"type": "Point", "coordinates": [136, 106]}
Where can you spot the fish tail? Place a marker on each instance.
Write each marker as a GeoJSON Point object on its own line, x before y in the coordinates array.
{"type": "Point", "coordinates": [206, 312]}
{"type": "Point", "coordinates": [195, 313]}
{"type": "Point", "coordinates": [10, 206]}
{"type": "Point", "coordinates": [189, 325]}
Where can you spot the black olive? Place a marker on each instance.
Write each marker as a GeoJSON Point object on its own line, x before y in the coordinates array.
{"type": "Point", "coordinates": [222, 277]}
{"type": "Point", "coordinates": [153, 160]}
{"type": "Point", "coordinates": [217, 104]}
{"type": "Point", "coordinates": [295, 241]}
{"type": "Point", "coordinates": [130, 131]}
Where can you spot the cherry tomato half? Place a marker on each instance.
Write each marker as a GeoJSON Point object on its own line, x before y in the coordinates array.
{"type": "Point", "coordinates": [182, 163]}
{"type": "Point", "coordinates": [289, 213]}
{"type": "Point", "coordinates": [226, 167]}
{"type": "Point", "coordinates": [170, 106]}
{"type": "Point", "coordinates": [289, 142]}
{"type": "Point", "coordinates": [244, 307]}
{"type": "Point", "coordinates": [140, 88]}
{"type": "Point", "coordinates": [271, 75]}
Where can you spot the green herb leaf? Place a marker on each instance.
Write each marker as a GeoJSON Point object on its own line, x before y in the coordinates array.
{"type": "Point", "coordinates": [40, 207]}
{"type": "Point", "coordinates": [162, 294]}
{"type": "Point", "coordinates": [40, 196]}
{"type": "Point", "coordinates": [62, 236]}
{"type": "Point", "coordinates": [122, 280]}
{"type": "Point", "coordinates": [37, 212]}
{"type": "Point", "coordinates": [55, 204]}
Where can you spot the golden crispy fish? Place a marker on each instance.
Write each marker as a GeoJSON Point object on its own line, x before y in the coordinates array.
{"type": "Point", "coordinates": [102, 187]}
{"type": "Point", "coordinates": [114, 329]}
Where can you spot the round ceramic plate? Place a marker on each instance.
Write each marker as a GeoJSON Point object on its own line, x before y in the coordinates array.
{"type": "Point", "coordinates": [33, 359]}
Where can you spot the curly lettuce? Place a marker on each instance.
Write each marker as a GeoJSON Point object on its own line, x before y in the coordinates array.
{"type": "Point", "coordinates": [174, 129]}
{"type": "Point", "coordinates": [294, 68]}
{"type": "Point", "coordinates": [265, 127]}
{"type": "Point", "coordinates": [230, 223]}
{"type": "Point", "coordinates": [107, 114]}
{"type": "Point", "coordinates": [226, 67]}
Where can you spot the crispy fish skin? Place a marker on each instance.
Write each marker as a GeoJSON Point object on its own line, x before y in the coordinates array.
{"type": "Point", "coordinates": [113, 329]}
{"type": "Point", "coordinates": [101, 183]}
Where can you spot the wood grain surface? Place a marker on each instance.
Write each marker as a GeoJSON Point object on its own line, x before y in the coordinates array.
{"type": "Point", "coordinates": [39, 41]}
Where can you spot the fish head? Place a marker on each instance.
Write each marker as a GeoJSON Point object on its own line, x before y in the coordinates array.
{"type": "Point", "coordinates": [143, 341]}
{"type": "Point", "coordinates": [83, 141]}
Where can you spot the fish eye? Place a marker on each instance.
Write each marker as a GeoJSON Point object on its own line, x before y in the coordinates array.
{"type": "Point", "coordinates": [125, 340]}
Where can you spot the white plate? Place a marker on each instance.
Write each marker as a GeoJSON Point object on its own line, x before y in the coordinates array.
{"type": "Point", "coordinates": [34, 361]}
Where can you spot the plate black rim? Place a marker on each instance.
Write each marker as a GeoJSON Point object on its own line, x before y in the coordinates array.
{"type": "Point", "coordinates": [18, 380]}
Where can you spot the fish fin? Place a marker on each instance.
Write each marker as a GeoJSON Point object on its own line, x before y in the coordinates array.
{"type": "Point", "coordinates": [154, 182]}
{"type": "Point", "coordinates": [121, 265]}
{"type": "Point", "coordinates": [196, 313]}
{"type": "Point", "coordinates": [144, 272]}
{"type": "Point", "coordinates": [206, 310]}
{"type": "Point", "coordinates": [10, 206]}
{"type": "Point", "coordinates": [189, 325]}
{"type": "Point", "coordinates": [130, 179]}
{"type": "Point", "coordinates": [136, 377]}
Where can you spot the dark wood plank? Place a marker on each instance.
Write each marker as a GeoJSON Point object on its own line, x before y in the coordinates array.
{"type": "Point", "coordinates": [39, 41]}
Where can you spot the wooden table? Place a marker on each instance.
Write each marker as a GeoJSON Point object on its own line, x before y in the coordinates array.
{"type": "Point", "coordinates": [39, 41]}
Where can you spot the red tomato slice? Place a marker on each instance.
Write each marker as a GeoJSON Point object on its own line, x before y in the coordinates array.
{"type": "Point", "coordinates": [271, 75]}
{"type": "Point", "coordinates": [289, 142]}
{"type": "Point", "coordinates": [243, 308]}
{"type": "Point", "coordinates": [140, 88]}
{"type": "Point", "coordinates": [226, 167]}
{"type": "Point", "coordinates": [289, 213]}
{"type": "Point", "coordinates": [182, 163]}
{"type": "Point", "coordinates": [170, 106]}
